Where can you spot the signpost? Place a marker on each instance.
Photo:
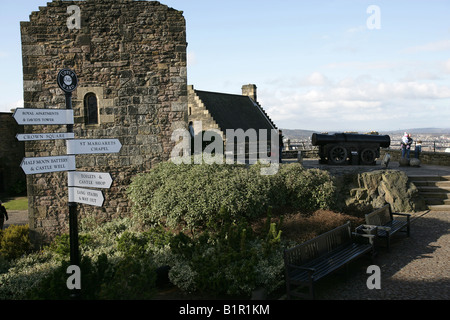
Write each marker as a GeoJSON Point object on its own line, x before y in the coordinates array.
{"type": "Point", "coordinates": [43, 116]}
{"type": "Point", "coordinates": [44, 136]}
{"type": "Point", "coordinates": [48, 164]}
{"type": "Point", "coordinates": [68, 81]}
{"type": "Point", "coordinates": [92, 146]}
{"type": "Point", "coordinates": [77, 181]}
{"type": "Point", "coordinates": [89, 179]}
{"type": "Point", "coordinates": [86, 196]}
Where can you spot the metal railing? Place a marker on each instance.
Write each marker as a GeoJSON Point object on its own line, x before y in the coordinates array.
{"type": "Point", "coordinates": [427, 145]}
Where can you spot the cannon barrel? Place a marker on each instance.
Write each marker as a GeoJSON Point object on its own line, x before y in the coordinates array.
{"type": "Point", "coordinates": [323, 139]}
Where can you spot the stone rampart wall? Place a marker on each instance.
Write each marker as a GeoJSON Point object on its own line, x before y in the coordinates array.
{"type": "Point", "coordinates": [430, 158]}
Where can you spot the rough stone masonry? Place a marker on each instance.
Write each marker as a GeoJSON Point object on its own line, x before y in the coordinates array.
{"type": "Point", "coordinates": [130, 59]}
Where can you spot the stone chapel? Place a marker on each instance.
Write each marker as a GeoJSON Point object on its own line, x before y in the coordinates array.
{"type": "Point", "coordinates": [130, 59]}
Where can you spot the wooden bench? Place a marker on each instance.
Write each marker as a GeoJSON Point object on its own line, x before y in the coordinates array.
{"type": "Point", "coordinates": [310, 261]}
{"type": "Point", "coordinates": [386, 224]}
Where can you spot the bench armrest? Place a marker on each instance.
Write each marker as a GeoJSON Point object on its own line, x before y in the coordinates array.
{"type": "Point", "coordinates": [370, 237]}
{"type": "Point", "coordinates": [407, 215]}
{"type": "Point", "coordinates": [402, 214]}
{"type": "Point", "coordinates": [364, 235]}
{"type": "Point", "coordinates": [367, 226]}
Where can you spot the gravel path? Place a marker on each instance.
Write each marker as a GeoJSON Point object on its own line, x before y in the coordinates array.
{"type": "Point", "coordinates": [16, 217]}
{"type": "Point", "coordinates": [417, 268]}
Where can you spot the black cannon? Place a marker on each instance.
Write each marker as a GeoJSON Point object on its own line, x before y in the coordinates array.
{"type": "Point", "coordinates": [350, 148]}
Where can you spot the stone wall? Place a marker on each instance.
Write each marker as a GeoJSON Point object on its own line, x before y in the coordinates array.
{"type": "Point", "coordinates": [430, 158]}
{"type": "Point", "coordinates": [132, 56]}
{"type": "Point", "coordinates": [11, 154]}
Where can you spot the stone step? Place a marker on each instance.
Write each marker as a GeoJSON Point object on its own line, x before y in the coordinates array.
{"type": "Point", "coordinates": [434, 189]}
{"type": "Point", "coordinates": [443, 207]}
{"type": "Point", "coordinates": [435, 195]}
{"type": "Point", "coordinates": [428, 178]}
{"type": "Point", "coordinates": [444, 184]}
{"type": "Point", "coordinates": [424, 178]}
{"type": "Point", "coordinates": [437, 201]}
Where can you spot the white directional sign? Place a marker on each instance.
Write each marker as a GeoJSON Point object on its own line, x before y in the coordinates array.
{"type": "Point", "coordinates": [86, 196]}
{"type": "Point", "coordinates": [48, 164]}
{"type": "Point", "coordinates": [43, 116]}
{"type": "Point", "coordinates": [91, 146]}
{"type": "Point", "coordinates": [89, 179]}
{"type": "Point", "coordinates": [44, 136]}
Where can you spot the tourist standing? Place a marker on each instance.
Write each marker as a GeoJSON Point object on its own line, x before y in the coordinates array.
{"type": "Point", "coordinates": [280, 146]}
{"type": "Point", "coordinates": [192, 135]}
{"type": "Point", "coordinates": [418, 149]}
{"type": "Point", "coordinates": [3, 215]}
{"type": "Point", "coordinates": [406, 145]}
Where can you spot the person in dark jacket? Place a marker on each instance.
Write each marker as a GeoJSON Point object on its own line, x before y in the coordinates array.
{"type": "Point", "coordinates": [3, 215]}
{"type": "Point", "coordinates": [280, 141]}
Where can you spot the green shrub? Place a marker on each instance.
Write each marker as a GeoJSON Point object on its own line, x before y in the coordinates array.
{"type": "Point", "coordinates": [61, 244]}
{"type": "Point", "coordinates": [125, 279]}
{"type": "Point", "coordinates": [139, 244]}
{"type": "Point", "coordinates": [131, 279]}
{"type": "Point", "coordinates": [54, 285]}
{"type": "Point", "coordinates": [187, 195]}
{"type": "Point", "coordinates": [227, 260]}
{"type": "Point", "coordinates": [307, 190]}
{"type": "Point", "coordinates": [15, 241]}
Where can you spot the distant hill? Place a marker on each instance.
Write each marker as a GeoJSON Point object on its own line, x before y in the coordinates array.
{"type": "Point", "coordinates": [297, 133]}
{"type": "Point", "coordinates": [422, 131]}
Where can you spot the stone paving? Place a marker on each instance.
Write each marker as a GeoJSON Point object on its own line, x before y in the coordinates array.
{"type": "Point", "coordinates": [417, 268]}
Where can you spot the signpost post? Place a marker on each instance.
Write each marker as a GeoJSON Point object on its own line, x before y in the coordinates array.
{"type": "Point", "coordinates": [68, 82]}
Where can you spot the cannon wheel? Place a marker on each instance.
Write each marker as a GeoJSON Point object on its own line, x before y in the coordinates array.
{"type": "Point", "coordinates": [368, 156]}
{"type": "Point", "coordinates": [338, 155]}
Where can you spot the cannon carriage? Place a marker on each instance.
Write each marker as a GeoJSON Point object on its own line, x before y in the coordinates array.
{"type": "Point", "coordinates": [350, 148]}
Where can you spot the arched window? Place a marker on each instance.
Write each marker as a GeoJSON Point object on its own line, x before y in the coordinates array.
{"type": "Point", "coordinates": [91, 108]}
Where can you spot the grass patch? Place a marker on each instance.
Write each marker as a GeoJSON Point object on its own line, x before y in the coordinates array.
{"type": "Point", "coordinates": [20, 203]}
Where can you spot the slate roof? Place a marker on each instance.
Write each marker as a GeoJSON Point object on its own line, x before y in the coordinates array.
{"type": "Point", "coordinates": [231, 111]}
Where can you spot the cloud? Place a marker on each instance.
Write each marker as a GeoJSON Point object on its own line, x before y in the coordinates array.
{"type": "Point", "coordinates": [315, 79]}
{"type": "Point", "coordinates": [191, 59]}
{"type": "Point", "coordinates": [429, 47]}
{"type": "Point", "coordinates": [6, 106]}
{"type": "Point", "coordinates": [352, 104]}
{"type": "Point", "coordinates": [446, 66]}
{"type": "Point", "coordinates": [357, 29]}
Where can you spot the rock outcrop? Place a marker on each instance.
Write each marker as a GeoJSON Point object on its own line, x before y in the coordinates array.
{"type": "Point", "coordinates": [377, 188]}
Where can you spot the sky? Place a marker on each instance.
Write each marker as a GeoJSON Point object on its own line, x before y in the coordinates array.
{"type": "Point", "coordinates": [328, 65]}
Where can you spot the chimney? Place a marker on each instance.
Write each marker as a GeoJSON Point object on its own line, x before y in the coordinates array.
{"type": "Point", "coordinates": [250, 91]}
